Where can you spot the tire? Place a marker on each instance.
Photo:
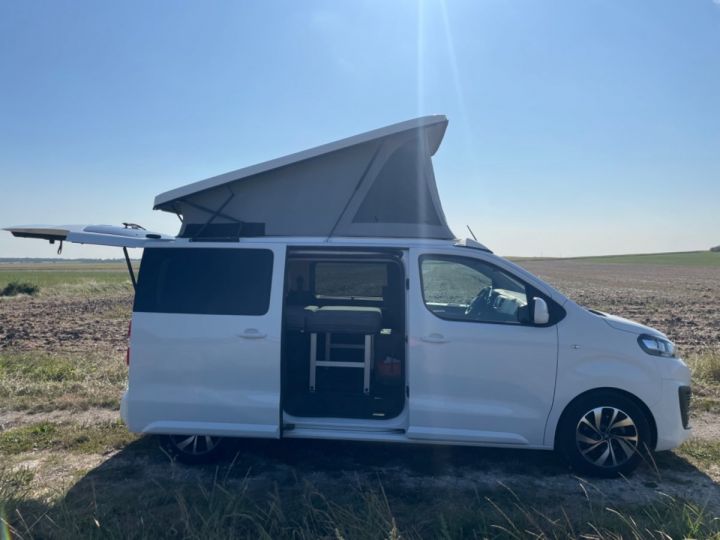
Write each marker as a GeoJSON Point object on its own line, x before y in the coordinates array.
{"type": "Point", "coordinates": [193, 449]}
{"type": "Point", "coordinates": [604, 434]}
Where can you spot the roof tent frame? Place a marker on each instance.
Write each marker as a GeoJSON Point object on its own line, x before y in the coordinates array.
{"type": "Point", "coordinates": [376, 184]}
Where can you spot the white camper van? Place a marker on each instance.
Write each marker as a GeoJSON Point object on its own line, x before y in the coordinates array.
{"type": "Point", "coordinates": [322, 295]}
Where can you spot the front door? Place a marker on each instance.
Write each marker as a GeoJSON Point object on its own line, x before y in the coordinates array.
{"type": "Point", "coordinates": [479, 370]}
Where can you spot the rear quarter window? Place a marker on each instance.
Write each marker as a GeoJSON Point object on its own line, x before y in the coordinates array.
{"type": "Point", "coordinates": [205, 281]}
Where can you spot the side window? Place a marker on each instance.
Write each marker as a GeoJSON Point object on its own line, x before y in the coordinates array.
{"type": "Point", "coordinates": [205, 281]}
{"type": "Point", "coordinates": [464, 289]}
{"type": "Point", "coordinates": [362, 280]}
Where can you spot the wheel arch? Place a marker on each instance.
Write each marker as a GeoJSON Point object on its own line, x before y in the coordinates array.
{"type": "Point", "coordinates": [639, 402]}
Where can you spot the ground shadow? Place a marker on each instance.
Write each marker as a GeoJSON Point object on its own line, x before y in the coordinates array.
{"type": "Point", "coordinates": [141, 484]}
{"type": "Point", "coordinates": [421, 460]}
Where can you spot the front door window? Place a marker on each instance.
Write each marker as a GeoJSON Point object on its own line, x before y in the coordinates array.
{"type": "Point", "coordinates": [464, 289]}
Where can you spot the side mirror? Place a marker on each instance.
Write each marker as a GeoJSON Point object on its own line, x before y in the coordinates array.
{"type": "Point", "coordinates": [541, 314]}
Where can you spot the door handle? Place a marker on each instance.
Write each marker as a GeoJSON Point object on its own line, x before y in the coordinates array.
{"type": "Point", "coordinates": [251, 333]}
{"type": "Point", "coordinates": [434, 338]}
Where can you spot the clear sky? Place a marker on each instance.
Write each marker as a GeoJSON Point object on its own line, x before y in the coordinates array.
{"type": "Point", "coordinates": [576, 127]}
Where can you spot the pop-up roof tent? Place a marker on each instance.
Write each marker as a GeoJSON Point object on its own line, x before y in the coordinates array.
{"type": "Point", "coordinates": [376, 184]}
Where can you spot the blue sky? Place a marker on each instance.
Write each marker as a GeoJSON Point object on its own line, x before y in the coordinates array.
{"type": "Point", "coordinates": [576, 127]}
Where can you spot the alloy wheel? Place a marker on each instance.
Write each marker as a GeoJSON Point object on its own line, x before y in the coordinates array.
{"type": "Point", "coordinates": [195, 445]}
{"type": "Point", "coordinates": [606, 437]}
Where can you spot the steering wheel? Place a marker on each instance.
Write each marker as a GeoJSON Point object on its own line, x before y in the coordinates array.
{"type": "Point", "coordinates": [481, 302]}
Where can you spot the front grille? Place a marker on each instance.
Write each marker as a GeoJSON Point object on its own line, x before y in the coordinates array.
{"type": "Point", "coordinates": [684, 393]}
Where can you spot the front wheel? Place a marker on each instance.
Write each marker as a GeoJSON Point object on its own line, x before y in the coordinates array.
{"type": "Point", "coordinates": [604, 434]}
{"type": "Point", "coordinates": [193, 449]}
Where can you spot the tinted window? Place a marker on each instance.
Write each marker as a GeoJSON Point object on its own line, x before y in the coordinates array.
{"type": "Point", "coordinates": [350, 280]}
{"type": "Point", "coordinates": [205, 281]}
{"type": "Point", "coordinates": [466, 289]}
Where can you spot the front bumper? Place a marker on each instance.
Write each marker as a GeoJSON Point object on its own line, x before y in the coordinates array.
{"type": "Point", "coordinates": [672, 415]}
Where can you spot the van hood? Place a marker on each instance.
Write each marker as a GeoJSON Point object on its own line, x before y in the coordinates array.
{"type": "Point", "coordinates": [626, 325]}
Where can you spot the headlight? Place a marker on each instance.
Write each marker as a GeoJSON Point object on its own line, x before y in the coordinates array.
{"type": "Point", "coordinates": [656, 346]}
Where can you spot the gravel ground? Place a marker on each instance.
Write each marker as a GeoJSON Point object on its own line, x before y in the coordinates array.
{"type": "Point", "coordinates": [65, 323]}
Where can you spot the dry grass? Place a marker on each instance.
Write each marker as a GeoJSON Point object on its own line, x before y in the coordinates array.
{"type": "Point", "coordinates": [701, 452]}
{"type": "Point", "coordinates": [89, 288]}
{"type": "Point", "coordinates": [36, 382]}
{"type": "Point", "coordinates": [68, 437]}
{"type": "Point", "coordinates": [49, 276]}
{"type": "Point", "coordinates": [228, 506]}
{"type": "Point", "coordinates": [705, 366]}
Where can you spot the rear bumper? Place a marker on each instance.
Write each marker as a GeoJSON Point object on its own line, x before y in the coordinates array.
{"type": "Point", "coordinates": [672, 415]}
{"type": "Point", "coordinates": [124, 408]}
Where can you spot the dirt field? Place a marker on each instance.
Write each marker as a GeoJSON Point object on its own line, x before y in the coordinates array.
{"type": "Point", "coordinates": [682, 301]}
{"type": "Point", "coordinates": [69, 468]}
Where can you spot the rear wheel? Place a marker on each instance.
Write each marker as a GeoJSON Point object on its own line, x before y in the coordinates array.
{"type": "Point", "coordinates": [193, 449]}
{"type": "Point", "coordinates": [604, 434]}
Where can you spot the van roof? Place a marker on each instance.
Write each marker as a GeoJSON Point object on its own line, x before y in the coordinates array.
{"type": "Point", "coordinates": [376, 184]}
{"type": "Point", "coordinates": [294, 241]}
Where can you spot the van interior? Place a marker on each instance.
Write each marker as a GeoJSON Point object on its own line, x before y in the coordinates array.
{"type": "Point", "coordinates": [344, 334]}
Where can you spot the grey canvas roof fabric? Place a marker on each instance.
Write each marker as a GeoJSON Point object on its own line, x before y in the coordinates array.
{"type": "Point", "coordinates": [376, 184]}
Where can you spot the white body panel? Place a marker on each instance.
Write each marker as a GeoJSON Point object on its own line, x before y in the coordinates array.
{"type": "Point", "coordinates": [210, 374]}
{"type": "Point", "coordinates": [596, 353]}
{"type": "Point", "coordinates": [476, 382]}
{"type": "Point", "coordinates": [484, 384]}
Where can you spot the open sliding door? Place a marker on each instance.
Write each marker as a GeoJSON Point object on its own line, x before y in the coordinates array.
{"type": "Point", "coordinates": [205, 345]}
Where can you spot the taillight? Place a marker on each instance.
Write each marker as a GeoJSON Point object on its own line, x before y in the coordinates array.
{"type": "Point", "coordinates": [127, 354]}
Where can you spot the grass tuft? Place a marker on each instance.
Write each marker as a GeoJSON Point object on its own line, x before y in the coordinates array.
{"type": "Point", "coordinates": [90, 439]}
{"type": "Point", "coordinates": [15, 288]}
{"type": "Point", "coordinates": [89, 288]}
{"type": "Point", "coordinates": [52, 275]}
{"type": "Point", "coordinates": [38, 368]}
{"type": "Point", "coordinates": [701, 451]}
{"type": "Point", "coordinates": [39, 382]}
{"type": "Point", "coordinates": [706, 366]}
{"type": "Point", "coordinates": [15, 483]}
